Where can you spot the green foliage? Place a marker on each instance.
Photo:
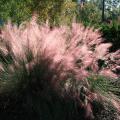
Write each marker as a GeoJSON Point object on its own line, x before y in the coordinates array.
{"type": "Point", "coordinates": [112, 34]}
{"type": "Point", "coordinates": [103, 86]}
{"type": "Point", "coordinates": [112, 8]}
{"type": "Point", "coordinates": [89, 13]}
{"type": "Point", "coordinates": [68, 13]}
{"type": "Point", "coordinates": [57, 12]}
{"type": "Point", "coordinates": [48, 9]}
{"type": "Point", "coordinates": [16, 10]}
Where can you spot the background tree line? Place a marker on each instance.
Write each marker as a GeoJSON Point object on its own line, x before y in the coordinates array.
{"type": "Point", "coordinates": [62, 11]}
{"type": "Point", "coordinates": [89, 12]}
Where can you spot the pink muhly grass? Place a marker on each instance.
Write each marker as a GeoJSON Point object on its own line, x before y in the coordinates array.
{"type": "Point", "coordinates": [75, 49]}
{"type": "Point", "coordinates": [58, 52]}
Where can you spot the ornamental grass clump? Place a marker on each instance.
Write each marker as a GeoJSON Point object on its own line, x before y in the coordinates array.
{"type": "Point", "coordinates": [39, 63]}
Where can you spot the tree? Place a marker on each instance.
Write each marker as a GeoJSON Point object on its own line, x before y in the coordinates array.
{"type": "Point", "coordinates": [109, 8]}
{"type": "Point", "coordinates": [16, 10]}
{"type": "Point", "coordinates": [89, 14]}
{"type": "Point", "coordinates": [52, 10]}
{"type": "Point", "coordinates": [112, 8]}
{"type": "Point", "coordinates": [103, 10]}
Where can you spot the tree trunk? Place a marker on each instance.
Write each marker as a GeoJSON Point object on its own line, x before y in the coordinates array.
{"type": "Point", "coordinates": [103, 10]}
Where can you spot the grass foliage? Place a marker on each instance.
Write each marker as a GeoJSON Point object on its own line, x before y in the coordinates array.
{"type": "Point", "coordinates": [44, 71]}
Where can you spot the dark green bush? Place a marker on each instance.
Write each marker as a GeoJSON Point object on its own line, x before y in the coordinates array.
{"type": "Point", "coordinates": [111, 33]}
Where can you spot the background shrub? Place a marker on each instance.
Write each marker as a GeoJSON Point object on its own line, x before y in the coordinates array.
{"type": "Point", "coordinates": [111, 33]}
